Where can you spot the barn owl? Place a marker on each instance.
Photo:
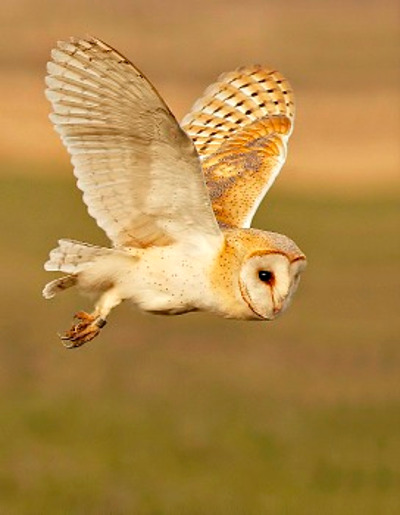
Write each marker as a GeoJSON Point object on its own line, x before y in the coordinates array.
{"type": "Point", "coordinates": [176, 200]}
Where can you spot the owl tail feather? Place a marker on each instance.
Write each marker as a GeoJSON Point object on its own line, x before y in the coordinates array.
{"type": "Point", "coordinates": [70, 257]}
{"type": "Point", "coordinates": [61, 284]}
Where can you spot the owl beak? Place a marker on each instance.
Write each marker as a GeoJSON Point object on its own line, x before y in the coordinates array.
{"type": "Point", "coordinates": [277, 307]}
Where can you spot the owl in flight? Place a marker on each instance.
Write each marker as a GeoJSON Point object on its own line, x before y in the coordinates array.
{"type": "Point", "coordinates": [176, 200]}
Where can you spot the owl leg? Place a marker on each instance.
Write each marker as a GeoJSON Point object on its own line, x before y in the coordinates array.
{"type": "Point", "coordinates": [89, 324]}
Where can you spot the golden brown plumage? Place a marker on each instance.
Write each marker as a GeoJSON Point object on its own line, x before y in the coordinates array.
{"type": "Point", "coordinates": [240, 127]}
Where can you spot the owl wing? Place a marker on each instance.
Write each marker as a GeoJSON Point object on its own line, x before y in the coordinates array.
{"type": "Point", "coordinates": [139, 172]}
{"type": "Point", "coordinates": [240, 127]}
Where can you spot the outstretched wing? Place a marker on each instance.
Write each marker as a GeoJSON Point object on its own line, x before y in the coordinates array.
{"type": "Point", "coordinates": [241, 126]}
{"type": "Point", "coordinates": [139, 172]}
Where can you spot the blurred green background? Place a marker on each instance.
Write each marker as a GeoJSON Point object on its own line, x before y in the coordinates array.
{"type": "Point", "coordinates": [194, 414]}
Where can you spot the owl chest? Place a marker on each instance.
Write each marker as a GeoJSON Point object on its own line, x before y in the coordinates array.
{"type": "Point", "coordinates": [169, 283]}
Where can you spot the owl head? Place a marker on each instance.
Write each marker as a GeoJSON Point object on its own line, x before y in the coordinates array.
{"type": "Point", "coordinates": [264, 271]}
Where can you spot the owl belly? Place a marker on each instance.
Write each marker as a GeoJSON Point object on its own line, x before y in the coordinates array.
{"type": "Point", "coordinates": [162, 280]}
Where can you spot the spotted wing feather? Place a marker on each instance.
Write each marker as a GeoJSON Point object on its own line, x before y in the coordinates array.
{"type": "Point", "coordinates": [241, 126]}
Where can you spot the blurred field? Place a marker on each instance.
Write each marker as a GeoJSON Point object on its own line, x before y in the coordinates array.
{"type": "Point", "coordinates": [340, 56]}
{"type": "Point", "coordinates": [196, 415]}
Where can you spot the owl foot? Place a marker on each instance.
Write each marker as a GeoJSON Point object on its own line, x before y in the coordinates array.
{"type": "Point", "coordinates": [84, 331]}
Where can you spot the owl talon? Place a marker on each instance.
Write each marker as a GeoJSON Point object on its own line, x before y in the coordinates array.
{"type": "Point", "coordinates": [84, 331]}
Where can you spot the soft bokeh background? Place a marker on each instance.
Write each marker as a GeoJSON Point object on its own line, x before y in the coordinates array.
{"type": "Point", "coordinates": [196, 415]}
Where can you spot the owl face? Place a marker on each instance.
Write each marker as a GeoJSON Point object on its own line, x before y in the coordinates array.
{"type": "Point", "coordinates": [256, 274]}
{"type": "Point", "coordinates": [267, 281]}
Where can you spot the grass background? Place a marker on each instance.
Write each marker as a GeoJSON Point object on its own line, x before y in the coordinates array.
{"type": "Point", "coordinates": [193, 414]}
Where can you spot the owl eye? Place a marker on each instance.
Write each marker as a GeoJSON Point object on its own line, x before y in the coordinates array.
{"type": "Point", "coordinates": [266, 276]}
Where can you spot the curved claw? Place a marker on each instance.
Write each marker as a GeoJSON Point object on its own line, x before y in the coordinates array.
{"type": "Point", "coordinates": [84, 331]}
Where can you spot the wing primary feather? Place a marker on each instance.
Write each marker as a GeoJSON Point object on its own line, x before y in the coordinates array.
{"type": "Point", "coordinates": [241, 126]}
{"type": "Point", "coordinates": [132, 160]}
